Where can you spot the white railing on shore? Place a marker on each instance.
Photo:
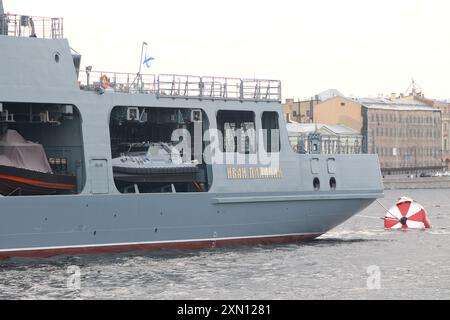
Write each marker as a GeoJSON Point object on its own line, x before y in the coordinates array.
{"type": "Point", "coordinates": [183, 86]}
{"type": "Point", "coordinates": [29, 26]}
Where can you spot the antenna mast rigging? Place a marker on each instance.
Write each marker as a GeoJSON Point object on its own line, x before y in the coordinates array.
{"type": "Point", "coordinates": [414, 89]}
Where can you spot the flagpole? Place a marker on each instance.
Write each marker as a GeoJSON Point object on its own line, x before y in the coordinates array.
{"type": "Point", "coordinates": [140, 64]}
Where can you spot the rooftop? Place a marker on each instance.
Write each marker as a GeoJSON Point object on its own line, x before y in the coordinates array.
{"type": "Point", "coordinates": [329, 94]}
{"type": "Point", "coordinates": [304, 128]}
{"type": "Point", "coordinates": [396, 104]}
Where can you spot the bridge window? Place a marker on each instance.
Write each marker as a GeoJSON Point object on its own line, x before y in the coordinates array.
{"type": "Point", "coordinates": [271, 132]}
{"type": "Point", "coordinates": [238, 130]}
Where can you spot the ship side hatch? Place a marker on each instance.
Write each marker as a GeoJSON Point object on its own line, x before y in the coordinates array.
{"type": "Point", "coordinates": [99, 176]}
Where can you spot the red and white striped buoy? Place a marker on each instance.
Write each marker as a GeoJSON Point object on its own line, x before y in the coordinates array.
{"type": "Point", "coordinates": [407, 214]}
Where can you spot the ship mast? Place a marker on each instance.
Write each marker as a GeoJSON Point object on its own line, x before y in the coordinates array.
{"type": "Point", "coordinates": [2, 20]}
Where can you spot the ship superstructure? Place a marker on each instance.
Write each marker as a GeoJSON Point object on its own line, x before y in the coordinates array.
{"type": "Point", "coordinates": [159, 162]}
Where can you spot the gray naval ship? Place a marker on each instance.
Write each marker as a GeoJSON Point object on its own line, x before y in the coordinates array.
{"type": "Point", "coordinates": [100, 162]}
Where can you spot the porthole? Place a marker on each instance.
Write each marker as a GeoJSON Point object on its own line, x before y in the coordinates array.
{"type": "Point", "coordinates": [333, 184]}
{"type": "Point", "coordinates": [316, 184]}
{"type": "Point", "coordinates": [57, 57]}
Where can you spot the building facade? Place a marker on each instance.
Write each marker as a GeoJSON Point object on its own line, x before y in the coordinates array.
{"type": "Point", "coordinates": [444, 107]}
{"type": "Point", "coordinates": [340, 111]}
{"type": "Point", "coordinates": [300, 111]}
{"type": "Point", "coordinates": [406, 134]}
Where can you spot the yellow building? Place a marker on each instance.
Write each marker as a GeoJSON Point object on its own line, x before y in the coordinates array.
{"type": "Point", "coordinates": [302, 111]}
{"type": "Point", "coordinates": [340, 111]}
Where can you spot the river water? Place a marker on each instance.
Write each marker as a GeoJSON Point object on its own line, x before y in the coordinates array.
{"type": "Point", "coordinates": [358, 260]}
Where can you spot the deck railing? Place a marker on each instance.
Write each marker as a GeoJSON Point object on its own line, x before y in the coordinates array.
{"type": "Point", "coordinates": [118, 82]}
{"type": "Point", "coordinates": [28, 26]}
{"type": "Point", "coordinates": [183, 86]}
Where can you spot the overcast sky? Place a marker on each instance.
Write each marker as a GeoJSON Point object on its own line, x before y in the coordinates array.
{"type": "Point", "coordinates": [362, 48]}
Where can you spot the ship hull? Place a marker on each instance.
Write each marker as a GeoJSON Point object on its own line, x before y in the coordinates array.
{"type": "Point", "coordinates": [114, 224]}
{"type": "Point", "coordinates": [152, 247]}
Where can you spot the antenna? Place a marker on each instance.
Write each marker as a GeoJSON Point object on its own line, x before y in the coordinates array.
{"type": "Point", "coordinates": [138, 79]}
{"type": "Point", "coordinates": [144, 44]}
{"type": "Point", "coordinates": [415, 89]}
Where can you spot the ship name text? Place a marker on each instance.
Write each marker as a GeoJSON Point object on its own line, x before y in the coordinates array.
{"type": "Point", "coordinates": [242, 173]}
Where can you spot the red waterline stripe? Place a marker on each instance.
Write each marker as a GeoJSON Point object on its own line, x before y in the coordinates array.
{"type": "Point", "coordinates": [183, 246]}
{"type": "Point", "coordinates": [36, 182]}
